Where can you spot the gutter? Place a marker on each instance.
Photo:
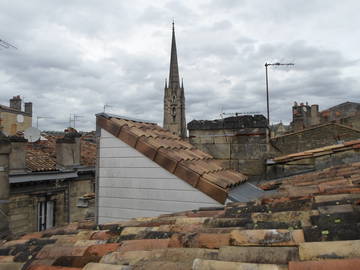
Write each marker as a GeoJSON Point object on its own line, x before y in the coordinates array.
{"type": "Point", "coordinates": [33, 177]}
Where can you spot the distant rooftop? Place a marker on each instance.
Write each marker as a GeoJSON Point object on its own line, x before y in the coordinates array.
{"type": "Point", "coordinates": [234, 122]}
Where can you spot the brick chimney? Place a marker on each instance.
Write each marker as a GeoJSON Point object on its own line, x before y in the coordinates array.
{"type": "Point", "coordinates": [5, 149]}
{"type": "Point", "coordinates": [28, 107]}
{"type": "Point", "coordinates": [68, 150]}
{"type": "Point", "coordinates": [15, 103]}
{"type": "Point", "coordinates": [17, 156]}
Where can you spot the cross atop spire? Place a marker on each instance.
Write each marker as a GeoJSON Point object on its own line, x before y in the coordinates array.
{"type": "Point", "coordinates": [174, 69]}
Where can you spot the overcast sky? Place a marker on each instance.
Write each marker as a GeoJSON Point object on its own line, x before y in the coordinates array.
{"type": "Point", "coordinates": [75, 56]}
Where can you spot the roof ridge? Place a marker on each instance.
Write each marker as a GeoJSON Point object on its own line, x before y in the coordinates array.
{"type": "Point", "coordinates": [189, 163]}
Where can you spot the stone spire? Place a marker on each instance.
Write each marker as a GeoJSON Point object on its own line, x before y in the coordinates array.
{"type": "Point", "coordinates": [174, 97]}
{"type": "Point", "coordinates": [174, 69]}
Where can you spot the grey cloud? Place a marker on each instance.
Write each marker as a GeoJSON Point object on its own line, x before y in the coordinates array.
{"type": "Point", "coordinates": [74, 58]}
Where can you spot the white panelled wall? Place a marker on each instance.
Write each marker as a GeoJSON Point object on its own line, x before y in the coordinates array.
{"type": "Point", "coordinates": [131, 185]}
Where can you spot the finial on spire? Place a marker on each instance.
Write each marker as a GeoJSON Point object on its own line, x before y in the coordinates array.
{"type": "Point", "coordinates": [165, 83]}
{"type": "Point", "coordinates": [182, 82]}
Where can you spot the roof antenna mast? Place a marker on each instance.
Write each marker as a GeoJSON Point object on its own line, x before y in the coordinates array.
{"type": "Point", "coordinates": [6, 45]}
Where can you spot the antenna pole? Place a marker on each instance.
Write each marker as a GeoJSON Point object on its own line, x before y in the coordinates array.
{"type": "Point", "coordinates": [267, 86]}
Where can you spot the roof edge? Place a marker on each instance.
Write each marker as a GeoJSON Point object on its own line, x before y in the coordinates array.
{"type": "Point", "coordinates": [214, 191]}
{"type": "Point", "coordinates": [110, 115]}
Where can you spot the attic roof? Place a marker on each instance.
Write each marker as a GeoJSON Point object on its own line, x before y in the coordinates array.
{"type": "Point", "coordinates": [311, 223]}
{"type": "Point", "coordinates": [179, 157]}
{"type": "Point", "coordinates": [316, 127]}
{"type": "Point", "coordinates": [355, 144]}
{"type": "Point", "coordinates": [41, 155]}
{"type": "Point", "coordinates": [342, 105]}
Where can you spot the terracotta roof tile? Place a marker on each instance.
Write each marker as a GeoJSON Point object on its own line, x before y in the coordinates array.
{"type": "Point", "coordinates": [295, 227]}
{"type": "Point", "coordinates": [319, 151]}
{"type": "Point", "coordinates": [41, 155]}
{"type": "Point", "coordinates": [175, 155]}
{"type": "Point", "coordinates": [335, 264]}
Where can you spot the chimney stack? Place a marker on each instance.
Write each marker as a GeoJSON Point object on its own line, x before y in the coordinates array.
{"type": "Point", "coordinates": [68, 150]}
{"type": "Point", "coordinates": [315, 115]}
{"type": "Point", "coordinates": [28, 107]}
{"type": "Point", "coordinates": [5, 149]}
{"type": "Point", "coordinates": [17, 156]}
{"type": "Point", "coordinates": [15, 103]}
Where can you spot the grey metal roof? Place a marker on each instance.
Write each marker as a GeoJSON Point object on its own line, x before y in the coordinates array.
{"type": "Point", "coordinates": [246, 192]}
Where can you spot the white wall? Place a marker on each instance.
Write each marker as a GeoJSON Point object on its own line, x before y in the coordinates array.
{"type": "Point", "coordinates": [131, 185]}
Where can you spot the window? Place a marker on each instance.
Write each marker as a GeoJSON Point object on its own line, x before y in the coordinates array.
{"type": "Point", "coordinates": [46, 215]}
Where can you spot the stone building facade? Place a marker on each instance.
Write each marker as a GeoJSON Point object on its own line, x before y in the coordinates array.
{"type": "Point", "coordinates": [305, 116]}
{"type": "Point", "coordinates": [174, 96]}
{"type": "Point", "coordinates": [313, 137]}
{"type": "Point", "coordinates": [13, 119]}
{"type": "Point", "coordinates": [314, 160]}
{"type": "Point", "coordinates": [44, 190]}
{"type": "Point", "coordinates": [237, 142]}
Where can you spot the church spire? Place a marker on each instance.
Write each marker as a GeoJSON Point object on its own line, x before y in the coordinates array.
{"type": "Point", "coordinates": [174, 69]}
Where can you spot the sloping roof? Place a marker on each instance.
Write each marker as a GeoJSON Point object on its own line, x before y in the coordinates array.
{"type": "Point", "coordinates": [341, 106]}
{"type": "Point", "coordinates": [297, 229]}
{"type": "Point", "coordinates": [337, 179]}
{"type": "Point", "coordinates": [172, 153]}
{"type": "Point", "coordinates": [316, 127]}
{"type": "Point", "coordinates": [41, 155]}
{"type": "Point", "coordinates": [355, 144]}
{"type": "Point", "coordinates": [39, 161]}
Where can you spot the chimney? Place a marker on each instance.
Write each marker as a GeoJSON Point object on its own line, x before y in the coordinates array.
{"type": "Point", "coordinates": [68, 150]}
{"type": "Point", "coordinates": [17, 156]}
{"type": "Point", "coordinates": [28, 107]}
{"type": "Point", "coordinates": [5, 149]}
{"type": "Point", "coordinates": [315, 115]}
{"type": "Point", "coordinates": [15, 103]}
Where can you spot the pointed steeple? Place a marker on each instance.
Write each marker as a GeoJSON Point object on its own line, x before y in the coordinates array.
{"type": "Point", "coordinates": [174, 69]}
{"type": "Point", "coordinates": [174, 97]}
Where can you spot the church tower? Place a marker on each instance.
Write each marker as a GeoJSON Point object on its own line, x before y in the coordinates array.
{"type": "Point", "coordinates": [174, 97]}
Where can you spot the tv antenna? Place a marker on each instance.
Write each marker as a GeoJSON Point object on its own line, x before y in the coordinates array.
{"type": "Point", "coordinates": [238, 113]}
{"type": "Point", "coordinates": [73, 118]}
{"type": "Point", "coordinates": [106, 106]}
{"type": "Point", "coordinates": [6, 45]}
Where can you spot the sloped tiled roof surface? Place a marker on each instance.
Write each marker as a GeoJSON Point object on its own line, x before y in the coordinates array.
{"type": "Point", "coordinates": [334, 124]}
{"type": "Point", "coordinates": [343, 178]}
{"type": "Point", "coordinates": [355, 144]}
{"type": "Point", "coordinates": [175, 155]}
{"type": "Point", "coordinates": [41, 155]}
{"type": "Point", "coordinates": [294, 229]}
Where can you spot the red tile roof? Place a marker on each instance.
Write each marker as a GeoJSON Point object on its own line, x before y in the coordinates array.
{"type": "Point", "coordinates": [319, 151]}
{"type": "Point", "coordinates": [316, 127]}
{"type": "Point", "coordinates": [296, 229]}
{"type": "Point", "coordinates": [338, 179]}
{"type": "Point", "coordinates": [41, 155]}
{"type": "Point", "coordinates": [177, 156]}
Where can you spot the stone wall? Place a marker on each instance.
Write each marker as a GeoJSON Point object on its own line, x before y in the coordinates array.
{"type": "Point", "coordinates": [81, 208]}
{"type": "Point", "coordinates": [351, 121]}
{"type": "Point", "coordinates": [24, 211]}
{"type": "Point", "coordinates": [10, 124]}
{"type": "Point", "coordinates": [311, 138]}
{"type": "Point", "coordinates": [23, 206]}
{"type": "Point", "coordinates": [238, 143]}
